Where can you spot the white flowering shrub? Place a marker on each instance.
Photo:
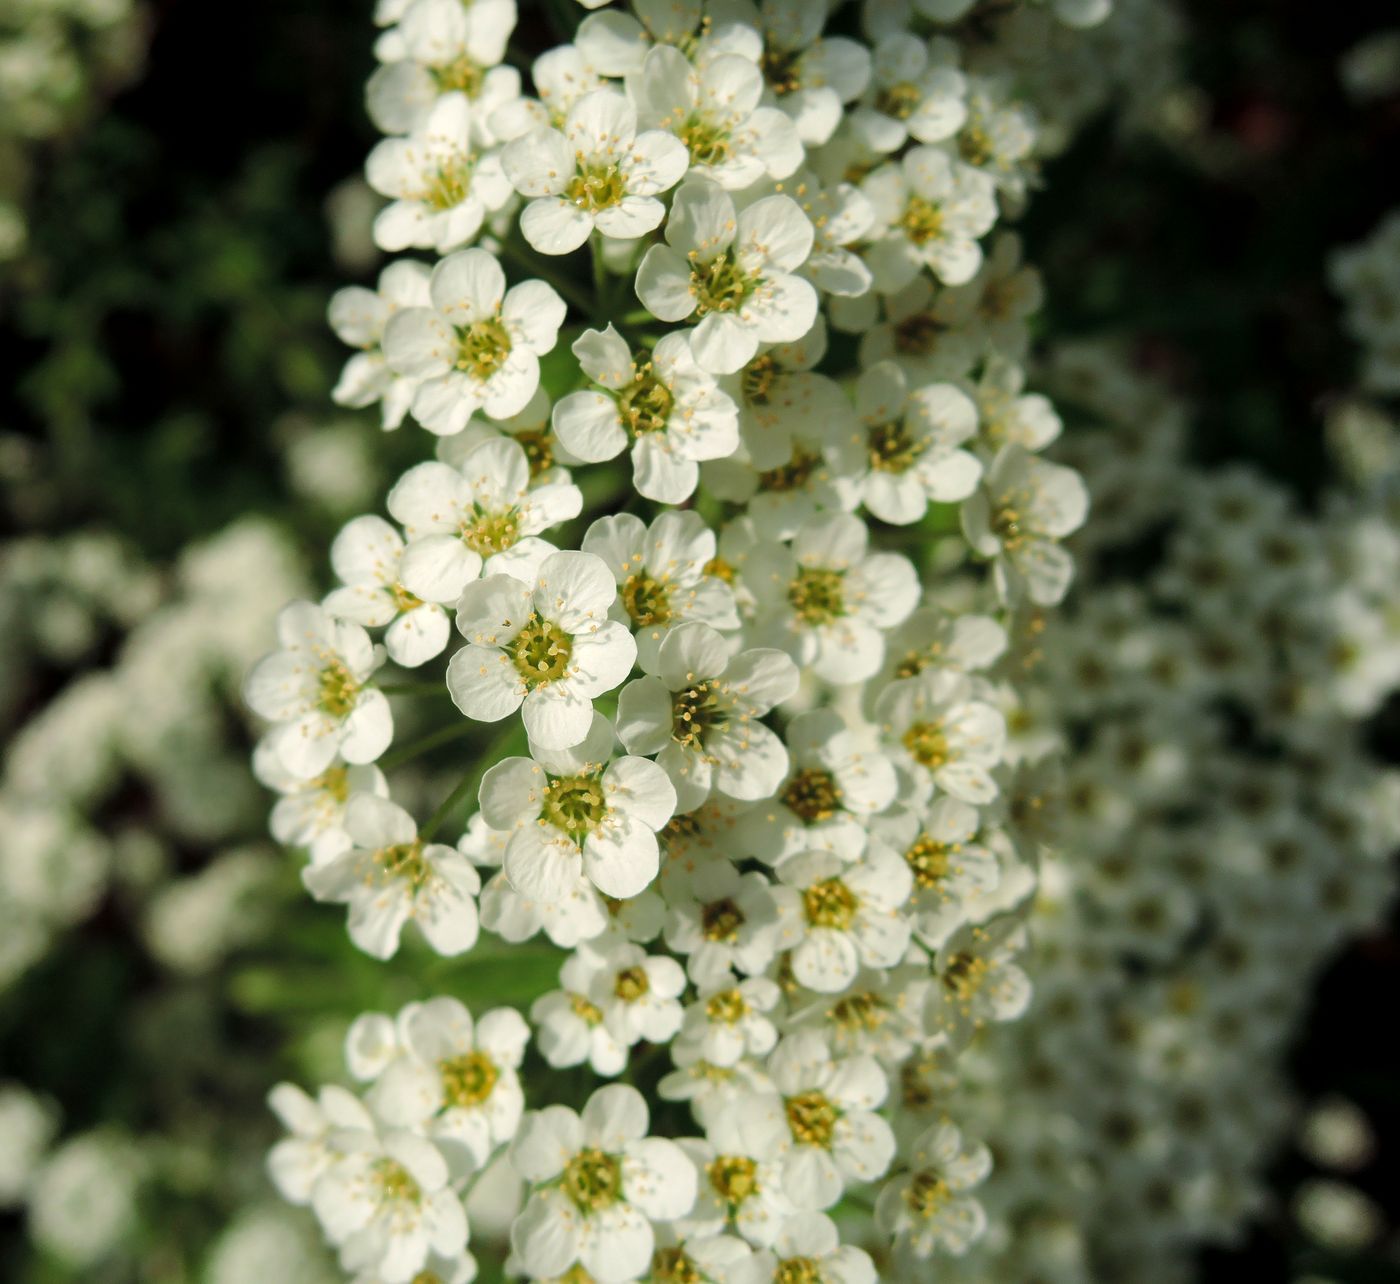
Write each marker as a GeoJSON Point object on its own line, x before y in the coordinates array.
{"type": "Point", "coordinates": [721, 315]}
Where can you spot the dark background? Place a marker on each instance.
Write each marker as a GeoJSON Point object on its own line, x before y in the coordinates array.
{"type": "Point", "coordinates": [170, 314]}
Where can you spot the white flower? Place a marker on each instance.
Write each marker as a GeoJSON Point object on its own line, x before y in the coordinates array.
{"type": "Point", "coordinates": [441, 187]}
{"type": "Point", "coordinates": [386, 1204]}
{"type": "Point", "coordinates": [810, 74]}
{"type": "Point", "coordinates": [929, 1206]}
{"type": "Point", "coordinates": [573, 810]}
{"type": "Point", "coordinates": [998, 136]}
{"type": "Point", "coordinates": [1024, 507]}
{"type": "Point", "coordinates": [714, 110]}
{"type": "Point", "coordinates": [672, 411]}
{"type": "Point", "coordinates": [390, 876]}
{"type": "Point", "coordinates": [949, 869]}
{"type": "Point", "coordinates": [833, 1134]}
{"type": "Point", "coordinates": [911, 440]}
{"type": "Point", "coordinates": [440, 47]}
{"type": "Point", "coordinates": [936, 729]}
{"type": "Point", "coordinates": [809, 1246]}
{"type": "Point", "coordinates": [851, 915]}
{"type": "Point", "coordinates": [358, 317]}
{"type": "Point", "coordinates": [550, 648]}
{"type": "Point", "coordinates": [599, 1184]}
{"type": "Point", "coordinates": [457, 1081]}
{"type": "Point", "coordinates": [914, 93]}
{"type": "Point", "coordinates": [478, 345]}
{"type": "Point", "coordinates": [832, 788]}
{"type": "Point", "coordinates": [311, 813]}
{"type": "Point", "coordinates": [484, 515]}
{"type": "Point", "coordinates": [663, 577]}
{"type": "Point", "coordinates": [570, 1025]}
{"type": "Point", "coordinates": [826, 600]}
{"type": "Point", "coordinates": [739, 1184]}
{"type": "Point", "coordinates": [367, 557]}
{"type": "Point", "coordinates": [729, 1020]}
{"type": "Point", "coordinates": [1008, 414]}
{"type": "Point", "coordinates": [976, 981]}
{"type": "Point", "coordinates": [933, 638]}
{"type": "Point", "coordinates": [598, 172]}
{"type": "Point", "coordinates": [934, 211]}
{"type": "Point", "coordinates": [723, 921]}
{"type": "Point", "coordinates": [700, 716]}
{"type": "Point", "coordinates": [298, 1162]}
{"type": "Point", "coordinates": [926, 330]}
{"type": "Point", "coordinates": [733, 273]}
{"type": "Point", "coordinates": [636, 993]}
{"type": "Point", "coordinates": [841, 219]}
{"type": "Point", "coordinates": [315, 689]}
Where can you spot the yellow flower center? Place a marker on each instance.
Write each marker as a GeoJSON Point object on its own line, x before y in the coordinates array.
{"type": "Point", "coordinates": [721, 920]}
{"type": "Point", "coordinates": [541, 652]}
{"type": "Point", "coordinates": [812, 1118]}
{"type": "Point", "coordinates": [487, 534]}
{"type": "Point", "coordinates": [695, 711]}
{"type": "Point", "coordinates": [793, 475]}
{"type": "Point", "coordinates": [596, 187]}
{"type": "Point", "coordinates": [403, 862]}
{"type": "Point", "coordinates": [631, 984]}
{"type": "Point", "coordinates": [926, 1194]}
{"type": "Point", "coordinates": [575, 805]}
{"type": "Point", "coordinates": [830, 903]}
{"type": "Point", "coordinates": [813, 795]}
{"type": "Point", "coordinates": [922, 220]}
{"type": "Point", "coordinates": [395, 1183]}
{"type": "Point", "coordinates": [719, 286]}
{"type": "Point", "coordinates": [450, 185]}
{"type": "Point", "coordinates": [707, 143]}
{"type": "Point", "coordinates": [929, 860]}
{"type": "Point", "coordinates": [482, 348]}
{"type": "Point", "coordinates": [733, 1177]}
{"type": "Point", "coordinates": [593, 1180]}
{"type": "Point", "coordinates": [798, 1270]}
{"type": "Point", "coordinates": [927, 744]}
{"type": "Point", "coordinates": [467, 1080]}
{"type": "Point", "coordinates": [645, 404]}
{"type": "Point", "coordinates": [899, 100]}
{"type": "Point", "coordinates": [726, 1007]}
{"type": "Point", "coordinates": [646, 600]}
{"type": "Point", "coordinates": [893, 448]}
{"type": "Point", "coordinates": [336, 689]}
{"type": "Point", "coordinates": [817, 594]}
{"type": "Point", "coordinates": [758, 379]}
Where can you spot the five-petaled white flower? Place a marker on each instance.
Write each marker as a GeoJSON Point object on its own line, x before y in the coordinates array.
{"type": "Point", "coordinates": [456, 1080]}
{"type": "Point", "coordinates": [911, 439]}
{"type": "Point", "coordinates": [367, 557]}
{"type": "Point", "coordinates": [478, 346]}
{"type": "Point", "coordinates": [549, 647]}
{"type": "Point", "coordinates": [484, 515]}
{"type": "Point", "coordinates": [733, 272]}
{"type": "Point", "coordinates": [929, 1205]}
{"type": "Point", "coordinates": [663, 578]}
{"type": "Point", "coordinates": [578, 809]}
{"type": "Point", "coordinates": [442, 187]}
{"type": "Point", "coordinates": [598, 172]}
{"type": "Point", "coordinates": [385, 1202]}
{"type": "Point", "coordinates": [390, 876]}
{"type": "Point", "coordinates": [599, 1182]}
{"type": "Point", "coordinates": [699, 714]}
{"type": "Point", "coordinates": [827, 600]}
{"type": "Point", "coordinates": [672, 412]}
{"type": "Point", "coordinates": [315, 689]}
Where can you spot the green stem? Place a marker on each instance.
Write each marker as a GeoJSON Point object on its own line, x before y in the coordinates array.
{"type": "Point", "coordinates": [413, 688]}
{"type": "Point", "coordinates": [566, 288]}
{"type": "Point", "coordinates": [471, 782]}
{"type": "Point", "coordinates": [442, 736]}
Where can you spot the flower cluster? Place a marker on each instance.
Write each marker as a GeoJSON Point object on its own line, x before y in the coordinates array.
{"type": "Point", "coordinates": [753, 779]}
{"type": "Point", "coordinates": [1367, 276]}
{"type": "Point", "coordinates": [1220, 831]}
